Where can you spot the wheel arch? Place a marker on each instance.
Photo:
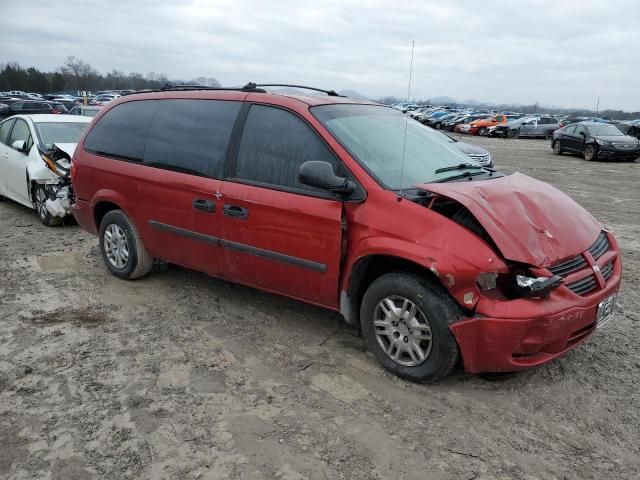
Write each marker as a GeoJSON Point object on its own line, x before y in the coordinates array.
{"type": "Point", "coordinates": [367, 269]}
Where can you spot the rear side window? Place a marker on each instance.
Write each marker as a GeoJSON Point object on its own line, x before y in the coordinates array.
{"type": "Point", "coordinates": [122, 131]}
{"type": "Point", "coordinates": [191, 136]}
{"type": "Point", "coordinates": [274, 144]}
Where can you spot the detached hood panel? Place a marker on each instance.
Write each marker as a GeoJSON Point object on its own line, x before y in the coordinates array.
{"type": "Point", "coordinates": [530, 221]}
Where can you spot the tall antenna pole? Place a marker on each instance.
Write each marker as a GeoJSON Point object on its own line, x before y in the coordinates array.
{"type": "Point", "coordinates": [406, 122]}
{"type": "Point", "coordinates": [597, 107]}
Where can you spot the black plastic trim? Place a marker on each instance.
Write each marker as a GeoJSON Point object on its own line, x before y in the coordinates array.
{"type": "Point", "coordinates": [200, 237]}
{"type": "Point", "coordinates": [241, 247]}
{"type": "Point", "coordinates": [271, 255]}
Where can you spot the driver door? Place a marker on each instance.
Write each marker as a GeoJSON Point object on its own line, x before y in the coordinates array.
{"type": "Point", "coordinates": [17, 186]}
{"type": "Point", "coordinates": [276, 233]}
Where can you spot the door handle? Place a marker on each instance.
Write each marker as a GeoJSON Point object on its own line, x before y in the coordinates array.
{"type": "Point", "coordinates": [204, 205]}
{"type": "Point", "coordinates": [235, 211]}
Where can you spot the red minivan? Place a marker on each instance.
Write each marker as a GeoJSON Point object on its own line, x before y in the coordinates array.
{"type": "Point", "coordinates": [351, 206]}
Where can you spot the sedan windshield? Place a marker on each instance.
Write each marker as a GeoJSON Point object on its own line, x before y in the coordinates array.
{"type": "Point", "coordinates": [59, 132]}
{"type": "Point", "coordinates": [381, 139]}
{"type": "Point", "coordinates": [605, 131]}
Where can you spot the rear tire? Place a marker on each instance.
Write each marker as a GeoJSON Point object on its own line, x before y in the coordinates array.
{"type": "Point", "coordinates": [423, 349]}
{"type": "Point", "coordinates": [549, 134]}
{"type": "Point", "coordinates": [121, 246]}
{"type": "Point", "coordinates": [39, 200]}
{"type": "Point", "coordinates": [482, 132]}
{"type": "Point", "coordinates": [557, 147]}
{"type": "Point", "coordinates": [590, 153]}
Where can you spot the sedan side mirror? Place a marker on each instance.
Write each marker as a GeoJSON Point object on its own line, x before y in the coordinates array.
{"type": "Point", "coordinates": [20, 145]}
{"type": "Point", "coordinates": [320, 175]}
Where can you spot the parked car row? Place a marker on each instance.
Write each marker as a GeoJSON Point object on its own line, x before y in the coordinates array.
{"type": "Point", "coordinates": [336, 202]}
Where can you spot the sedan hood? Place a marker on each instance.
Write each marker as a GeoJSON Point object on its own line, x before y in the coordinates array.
{"type": "Point", "coordinates": [618, 139]}
{"type": "Point", "coordinates": [68, 148]}
{"type": "Point", "coordinates": [471, 149]}
{"type": "Point", "coordinates": [530, 221]}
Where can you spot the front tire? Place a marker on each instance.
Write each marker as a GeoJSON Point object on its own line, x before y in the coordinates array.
{"type": "Point", "coordinates": [482, 132]}
{"type": "Point", "coordinates": [590, 153]}
{"type": "Point", "coordinates": [121, 246]}
{"type": "Point", "coordinates": [513, 133]}
{"type": "Point", "coordinates": [40, 200]}
{"type": "Point", "coordinates": [405, 320]}
{"type": "Point", "coordinates": [557, 147]}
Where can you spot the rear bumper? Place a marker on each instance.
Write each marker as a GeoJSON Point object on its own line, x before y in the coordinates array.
{"type": "Point", "coordinates": [543, 330]}
{"type": "Point", "coordinates": [83, 213]}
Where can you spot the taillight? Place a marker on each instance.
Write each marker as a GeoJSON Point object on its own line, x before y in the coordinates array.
{"type": "Point", "coordinates": [56, 112]}
{"type": "Point", "coordinates": [74, 170]}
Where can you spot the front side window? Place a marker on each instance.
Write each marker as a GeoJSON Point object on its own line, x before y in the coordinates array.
{"type": "Point", "coordinates": [579, 130]}
{"type": "Point", "coordinates": [5, 128]}
{"type": "Point", "coordinates": [387, 143]}
{"type": "Point", "coordinates": [191, 136]}
{"type": "Point", "coordinates": [274, 144]}
{"type": "Point", "coordinates": [122, 131]}
{"type": "Point", "coordinates": [20, 132]}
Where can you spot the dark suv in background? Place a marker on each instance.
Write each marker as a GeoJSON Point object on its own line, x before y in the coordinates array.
{"type": "Point", "coordinates": [27, 107]}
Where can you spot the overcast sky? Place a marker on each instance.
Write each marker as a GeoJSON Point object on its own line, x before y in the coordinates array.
{"type": "Point", "coordinates": [558, 52]}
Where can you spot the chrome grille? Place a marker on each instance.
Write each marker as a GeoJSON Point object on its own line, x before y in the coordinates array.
{"type": "Point", "coordinates": [589, 282]}
{"type": "Point", "coordinates": [599, 247]}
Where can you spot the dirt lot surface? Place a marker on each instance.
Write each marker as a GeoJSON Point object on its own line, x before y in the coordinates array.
{"type": "Point", "coordinates": [183, 376]}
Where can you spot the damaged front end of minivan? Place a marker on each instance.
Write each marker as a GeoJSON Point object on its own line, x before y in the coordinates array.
{"type": "Point", "coordinates": [556, 281]}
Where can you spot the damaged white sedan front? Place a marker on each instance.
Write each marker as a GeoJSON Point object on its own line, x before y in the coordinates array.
{"type": "Point", "coordinates": [35, 158]}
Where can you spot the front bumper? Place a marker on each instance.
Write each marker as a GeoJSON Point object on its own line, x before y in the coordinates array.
{"type": "Point", "coordinates": [617, 154]}
{"type": "Point", "coordinates": [508, 336]}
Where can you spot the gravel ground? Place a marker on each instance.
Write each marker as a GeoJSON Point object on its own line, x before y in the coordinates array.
{"type": "Point", "coordinates": [183, 376]}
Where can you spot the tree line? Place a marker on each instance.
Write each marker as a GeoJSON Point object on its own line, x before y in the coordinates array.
{"type": "Point", "coordinates": [77, 75]}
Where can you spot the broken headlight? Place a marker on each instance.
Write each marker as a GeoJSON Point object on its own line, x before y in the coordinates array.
{"type": "Point", "coordinates": [518, 284]}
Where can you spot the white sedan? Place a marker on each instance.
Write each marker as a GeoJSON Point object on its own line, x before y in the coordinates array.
{"type": "Point", "coordinates": [24, 177]}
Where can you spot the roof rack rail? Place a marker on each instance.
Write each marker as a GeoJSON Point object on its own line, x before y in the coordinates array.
{"type": "Point", "coordinates": [170, 87]}
{"type": "Point", "coordinates": [254, 86]}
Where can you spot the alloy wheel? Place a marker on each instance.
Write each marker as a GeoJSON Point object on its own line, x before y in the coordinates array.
{"type": "Point", "coordinates": [402, 331]}
{"type": "Point", "coordinates": [116, 247]}
{"type": "Point", "coordinates": [41, 203]}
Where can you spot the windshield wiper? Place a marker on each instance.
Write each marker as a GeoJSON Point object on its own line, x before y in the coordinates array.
{"type": "Point", "coordinates": [460, 166]}
{"type": "Point", "coordinates": [463, 175]}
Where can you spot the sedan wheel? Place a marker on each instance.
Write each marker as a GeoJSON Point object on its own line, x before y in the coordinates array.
{"type": "Point", "coordinates": [557, 147]}
{"type": "Point", "coordinates": [40, 202]}
{"type": "Point", "coordinates": [589, 153]}
{"type": "Point", "coordinates": [513, 133]}
{"type": "Point", "coordinates": [482, 132]}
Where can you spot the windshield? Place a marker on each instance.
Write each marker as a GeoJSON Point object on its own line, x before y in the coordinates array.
{"type": "Point", "coordinates": [59, 132]}
{"type": "Point", "coordinates": [375, 137]}
{"type": "Point", "coordinates": [605, 131]}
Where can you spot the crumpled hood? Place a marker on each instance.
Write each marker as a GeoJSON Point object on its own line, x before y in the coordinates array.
{"type": "Point", "coordinates": [530, 221]}
{"type": "Point", "coordinates": [68, 148]}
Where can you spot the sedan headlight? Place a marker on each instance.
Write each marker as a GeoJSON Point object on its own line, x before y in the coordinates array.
{"type": "Point", "coordinates": [602, 142]}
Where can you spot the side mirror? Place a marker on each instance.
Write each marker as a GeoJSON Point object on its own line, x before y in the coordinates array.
{"type": "Point", "coordinates": [20, 145]}
{"type": "Point", "coordinates": [320, 175]}
{"type": "Point", "coordinates": [581, 133]}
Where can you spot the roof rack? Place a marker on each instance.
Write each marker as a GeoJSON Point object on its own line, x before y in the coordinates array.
{"type": "Point", "coordinates": [254, 86]}
{"type": "Point", "coordinates": [170, 87]}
